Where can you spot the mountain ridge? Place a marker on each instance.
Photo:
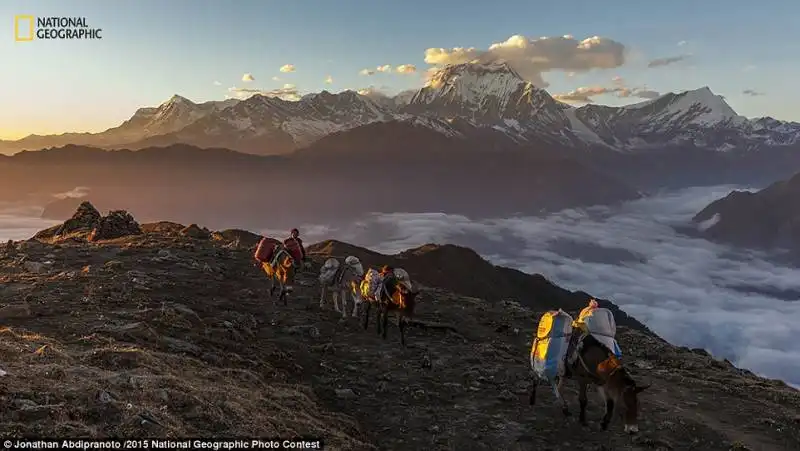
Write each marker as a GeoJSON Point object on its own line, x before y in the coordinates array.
{"type": "Point", "coordinates": [489, 99]}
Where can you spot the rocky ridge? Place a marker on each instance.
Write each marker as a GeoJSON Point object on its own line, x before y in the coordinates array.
{"type": "Point", "coordinates": [169, 333]}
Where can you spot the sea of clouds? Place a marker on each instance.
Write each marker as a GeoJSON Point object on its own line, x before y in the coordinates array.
{"type": "Point", "coordinates": [690, 291]}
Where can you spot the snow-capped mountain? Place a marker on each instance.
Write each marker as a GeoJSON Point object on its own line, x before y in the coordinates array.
{"type": "Point", "coordinates": [491, 95]}
{"type": "Point", "coordinates": [174, 114]}
{"type": "Point", "coordinates": [269, 125]}
{"type": "Point", "coordinates": [471, 100]}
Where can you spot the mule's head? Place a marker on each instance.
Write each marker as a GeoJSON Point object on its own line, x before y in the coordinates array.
{"type": "Point", "coordinates": [626, 391]}
{"type": "Point", "coordinates": [355, 265]}
{"type": "Point", "coordinates": [404, 296]}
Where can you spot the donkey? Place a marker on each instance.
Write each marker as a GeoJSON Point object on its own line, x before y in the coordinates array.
{"type": "Point", "coordinates": [338, 280]}
{"type": "Point", "coordinates": [395, 294]}
{"type": "Point", "coordinates": [596, 364]}
{"type": "Point", "coordinates": [281, 270]}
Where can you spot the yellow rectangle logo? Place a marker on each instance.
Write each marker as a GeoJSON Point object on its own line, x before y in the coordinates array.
{"type": "Point", "coordinates": [23, 28]}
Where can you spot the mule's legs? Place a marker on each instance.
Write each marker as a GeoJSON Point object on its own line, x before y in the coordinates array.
{"type": "Point", "coordinates": [343, 297]}
{"type": "Point", "coordinates": [356, 301]}
{"type": "Point", "coordinates": [336, 300]}
{"type": "Point", "coordinates": [534, 386]}
{"type": "Point", "coordinates": [322, 296]}
{"type": "Point", "coordinates": [609, 408]}
{"type": "Point", "coordinates": [272, 288]}
{"type": "Point", "coordinates": [379, 318]}
{"type": "Point", "coordinates": [557, 391]}
{"type": "Point", "coordinates": [366, 315]}
{"type": "Point", "coordinates": [385, 322]}
{"type": "Point", "coordinates": [401, 324]}
{"type": "Point", "coordinates": [582, 398]}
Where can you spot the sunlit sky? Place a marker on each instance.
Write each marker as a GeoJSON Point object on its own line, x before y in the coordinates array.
{"type": "Point", "coordinates": [152, 49]}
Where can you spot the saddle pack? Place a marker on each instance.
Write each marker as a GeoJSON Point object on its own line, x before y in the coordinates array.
{"type": "Point", "coordinates": [549, 347]}
{"type": "Point", "coordinates": [371, 285]}
{"type": "Point", "coordinates": [330, 269]}
{"type": "Point", "coordinates": [600, 324]}
{"type": "Point", "coordinates": [267, 249]}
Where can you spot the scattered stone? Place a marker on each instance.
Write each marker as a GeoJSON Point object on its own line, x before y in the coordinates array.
{"type": "Point", "coordinates": [34, 267]}
{"type": "Point", "coordinates": [506, 395]}
{"type": "Point", "coordinates": [345, 393]}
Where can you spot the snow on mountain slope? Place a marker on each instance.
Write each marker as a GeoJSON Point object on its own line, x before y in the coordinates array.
{"type": "Point", "coordinates": [493, 96]}
{"type": "Point", "coordinates": [699, 117]}
{"type": "Point", "coordinates": [262, 124]}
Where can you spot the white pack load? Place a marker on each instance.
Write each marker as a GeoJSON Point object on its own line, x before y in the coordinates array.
{"type": "Point", "coordinates": [353, 262]}
{"type": "Point", "coordinates": [371, 284]}
{"type": "Point", "coordinates": [549, 347]}
{"type": "Point", "coordinates": [328, 270]}
{"type": "Point", "coordinates": [600, 324]}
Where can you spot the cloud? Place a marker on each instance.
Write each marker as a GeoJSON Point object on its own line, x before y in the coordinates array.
{"type": "Point", "coordinates": [642, 93]}
{"type": "Point", "coordinates": [406, 69]}
{"type": "Point", "coordinates": [75, 193]}
{"type": "Point", "coordinates": [688, 290]}
{"type": "Point", "coordinates": [752, 93]}
{"type": "Point", "coordinates": [367, 72]}
{"type": "Point", "coordinates": [659, 62]}
{"type": "Point", "coordinates": [287, 68]}
{"type": "Point", "coordinates": [21, 222]}
{"type": "Point", "coordinates": [373, 92]}
{"type": "Point", "coordinates": [329, 80]}
{"type": "Point", "coordinates": [532, 57]}
{"type": "Point", "coordinates": [682, 43]}
{"type": "Point", "coordinates": [287, 92]}
{"type": "Point", "coordinates": [248, 77]}
{"type": "Point", "coordinates": [384, 68]}
{"type": "Point", "coordinates": [216, 83]}
{"type": "Point", "coordinates": [571, 74]}
{"type": "Point", "coordinates": [276, 78]}
{"type": "Point", "coordinates": [584, 94]}
{"type": "Point", "coordinates": [749, 67]}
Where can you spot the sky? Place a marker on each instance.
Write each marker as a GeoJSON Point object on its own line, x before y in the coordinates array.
{"type": "Point", "coordinates": [204, 50]}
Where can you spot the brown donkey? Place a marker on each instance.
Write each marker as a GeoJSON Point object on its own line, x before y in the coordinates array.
{"type": "Point", "coordinates": [595, 364]}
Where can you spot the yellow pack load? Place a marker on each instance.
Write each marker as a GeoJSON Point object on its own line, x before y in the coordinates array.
{"type": "Point", "coordinates": [549, 347]}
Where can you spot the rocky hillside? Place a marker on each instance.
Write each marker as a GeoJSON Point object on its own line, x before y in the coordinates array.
{"type": "Point", "coordinates": [768, 219]}
{"type": "Point", "coordinates": [168, 332]}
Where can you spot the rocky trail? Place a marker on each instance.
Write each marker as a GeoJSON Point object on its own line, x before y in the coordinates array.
{"type": "Point", "coordinates": [172, 334]}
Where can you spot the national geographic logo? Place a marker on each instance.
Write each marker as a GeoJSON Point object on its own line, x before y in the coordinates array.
{"type": "Point", "coordinates": [28, 28]}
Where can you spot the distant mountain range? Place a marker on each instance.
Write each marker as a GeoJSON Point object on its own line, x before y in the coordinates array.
{"type": "Point", "coordinates": [337, 179]}
{"type": "Point", "coordinates": [487, 104]}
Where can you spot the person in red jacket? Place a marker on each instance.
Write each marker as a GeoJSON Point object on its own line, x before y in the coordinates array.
{"type": "Point", "coordinates": [294, 240]}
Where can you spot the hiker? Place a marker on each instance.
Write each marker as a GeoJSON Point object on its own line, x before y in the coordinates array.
{"type": "Point", "coordinates": [294, 244]}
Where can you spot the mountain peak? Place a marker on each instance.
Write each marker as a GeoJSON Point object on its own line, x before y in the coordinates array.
{"type": "Point", "coordinates": [450, 73]}
{"type": "Point", "coordinates": [178, 99]}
